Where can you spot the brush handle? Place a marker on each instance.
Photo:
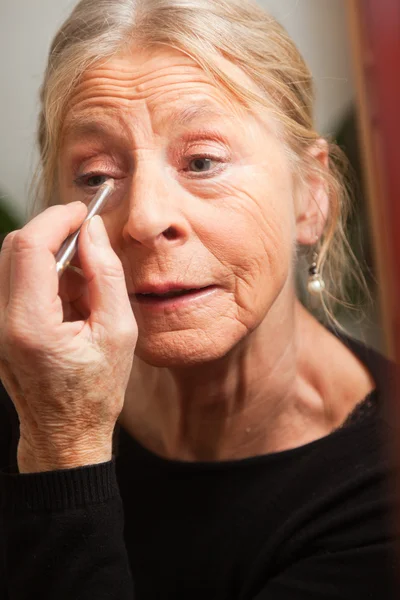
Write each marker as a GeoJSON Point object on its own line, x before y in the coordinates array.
{"type": "Point", "coordinates": [67, 251]}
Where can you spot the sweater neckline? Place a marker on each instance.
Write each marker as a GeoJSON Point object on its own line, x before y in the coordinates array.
{"type": "Point", "coordinates": [362, 416]}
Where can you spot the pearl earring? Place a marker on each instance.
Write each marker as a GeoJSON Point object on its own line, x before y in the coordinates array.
{"type": "Point", "coordinates": [316, 284]}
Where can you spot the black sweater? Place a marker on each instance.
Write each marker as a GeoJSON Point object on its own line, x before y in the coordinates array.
{"type": "Point", "coordinates": [312, 523]}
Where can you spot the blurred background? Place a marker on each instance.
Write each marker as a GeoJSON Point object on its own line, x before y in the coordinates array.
{"type": "Point", "coordinates": [324, 31]}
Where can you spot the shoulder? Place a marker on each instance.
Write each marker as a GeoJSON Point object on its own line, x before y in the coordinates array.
{"type": "Point", "coordinates": [384, 372]}
{"type": "Point", "coordinates": [334, 527]}
{"type": "Point", "coordinates": [344, 493]}
{"type": "Point", "coordinates": [339, 506]}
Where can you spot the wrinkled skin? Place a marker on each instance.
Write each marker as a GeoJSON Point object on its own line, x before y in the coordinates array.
{"type": "Point", "coordinates": [243, 360]}
{"type": "Point", "coordinates": [67, 379]}
{"type": "Point", "coordinates": [233, 226]}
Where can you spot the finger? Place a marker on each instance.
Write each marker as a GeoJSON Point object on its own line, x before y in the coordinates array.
{"type": "Point", "coordinates": [5, 269]}
{"type": "Point", "coordinates": [33, 279]}
{"type": "Point", "coordinates": [109, 300]}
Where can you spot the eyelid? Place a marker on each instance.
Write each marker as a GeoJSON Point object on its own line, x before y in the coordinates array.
{"type": "Point", "coordinates": [80, 183]}
{"type": "Point", "coordinates": [202, 142]}
{"type": "Point", "coordinates": [98, 163]}
{"type": "Point", "coordinates": [206, 148]}
{"type": "Point", "coordinates": [93, 172]}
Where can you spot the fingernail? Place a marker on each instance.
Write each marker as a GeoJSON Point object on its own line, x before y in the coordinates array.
{"type": "Point", "coordinates": [97, 231]}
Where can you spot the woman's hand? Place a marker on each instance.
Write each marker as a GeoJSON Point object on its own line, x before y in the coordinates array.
{"type": "Point", "coordinates": [67, 378]}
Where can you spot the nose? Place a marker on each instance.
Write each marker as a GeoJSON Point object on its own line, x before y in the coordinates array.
{"type": "Point", "coordinates": [155, 217]}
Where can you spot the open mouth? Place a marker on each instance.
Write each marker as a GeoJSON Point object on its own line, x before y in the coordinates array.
{"type": "Point", "coordinates": [173, 297]}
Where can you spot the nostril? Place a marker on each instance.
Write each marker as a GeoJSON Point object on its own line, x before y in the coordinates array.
{"type": "Point", "coordinates": [171, 233]}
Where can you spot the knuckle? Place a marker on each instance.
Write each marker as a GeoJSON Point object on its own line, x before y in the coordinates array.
{"type": "Point", "coordinates": [25, 241]}
{"type": "Point", "coordinates": [8, 240]}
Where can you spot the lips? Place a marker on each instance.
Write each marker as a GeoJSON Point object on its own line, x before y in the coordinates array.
{"type": "Point", "coordinates": [173, 300]}
{"type": "Point", "coordinates": [170, 294]}
{"type": "Point", "coordinates": [165, 290]}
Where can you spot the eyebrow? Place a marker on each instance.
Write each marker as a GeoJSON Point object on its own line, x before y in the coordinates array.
{"type": "Point", "coordinates": [87, 124]}
{"type": "Point", "coordinates": [185, 116]}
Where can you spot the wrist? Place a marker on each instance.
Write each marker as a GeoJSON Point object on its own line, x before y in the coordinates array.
{"type": "Point", "coordinates": [52, 457]}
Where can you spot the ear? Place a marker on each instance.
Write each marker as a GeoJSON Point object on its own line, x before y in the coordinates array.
{"type": "Point", "coordinates": [313, 198]}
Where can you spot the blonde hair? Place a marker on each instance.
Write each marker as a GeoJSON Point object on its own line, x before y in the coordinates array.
{"type": "Point", "coordinates": [241, 32]}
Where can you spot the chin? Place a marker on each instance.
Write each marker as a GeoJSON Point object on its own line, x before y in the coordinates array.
{"type": "Point", "coordinates": [178, 349]}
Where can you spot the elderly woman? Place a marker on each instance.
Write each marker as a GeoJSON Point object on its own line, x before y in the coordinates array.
{"type": "Point", "coordinates": [175, 423]}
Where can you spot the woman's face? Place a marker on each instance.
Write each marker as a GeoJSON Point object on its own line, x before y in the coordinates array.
{"type": "Point", "coordinates": [203, 197]}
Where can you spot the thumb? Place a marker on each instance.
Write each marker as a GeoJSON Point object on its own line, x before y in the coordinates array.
{"type": "Point", "coordinates": [108, 297]}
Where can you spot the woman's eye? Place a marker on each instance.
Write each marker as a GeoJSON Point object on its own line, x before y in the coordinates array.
{"type": "Point", "coordinates": [92, 180]}
{"type": "Point", "coordinates": [199, 165]}
{"type": "Point", "coordinates": [204, 164]}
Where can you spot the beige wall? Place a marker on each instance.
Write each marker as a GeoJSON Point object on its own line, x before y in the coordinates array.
{"type": "Point", "coordinates": [319, 28]}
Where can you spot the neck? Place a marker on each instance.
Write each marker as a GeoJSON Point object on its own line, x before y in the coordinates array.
{"type": "Point", "coordinates": [267, 394]}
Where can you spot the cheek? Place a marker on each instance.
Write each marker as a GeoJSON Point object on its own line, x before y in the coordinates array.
{"type": "Point", "coordinates": [250, 229]}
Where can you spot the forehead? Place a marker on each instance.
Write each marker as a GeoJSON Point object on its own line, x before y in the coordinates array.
{"type": "Point", "coordinates": [160, 84]}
